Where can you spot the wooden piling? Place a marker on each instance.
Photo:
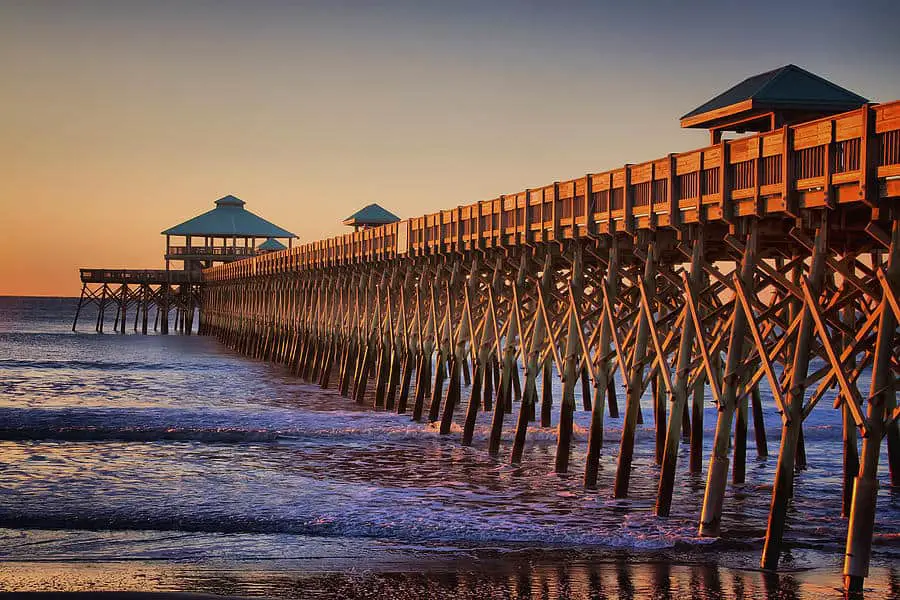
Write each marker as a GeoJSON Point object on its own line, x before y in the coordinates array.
{"type": "Point", "coordinates": [603, 376]}
{"type": "Point", "coordinates": [679, 394]}
{"type": "Point", "coordinates": [635, 382]}
{"type": "Point", "coordinates": [714, 498]}
{"type": "Point", "coordinates": [790, 431]}
{"type": "Point", "coordinates": [882, 396]}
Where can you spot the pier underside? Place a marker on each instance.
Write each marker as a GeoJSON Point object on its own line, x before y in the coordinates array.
{"type": "Point", "coordinates": [156, 292]}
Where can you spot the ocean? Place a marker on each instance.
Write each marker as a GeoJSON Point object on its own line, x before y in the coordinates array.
{"type": "Point", "coordinates": [170, 464]}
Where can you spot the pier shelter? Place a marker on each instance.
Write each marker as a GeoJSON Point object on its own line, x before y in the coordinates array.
{"type": "Point", "coordinates": [372, 215]}
{"type": "Point", "coordinates": [224, 234]}
{"type": "Point", "coordinates": [768, 101]}
{"type": "Point", "coordinates": [270, 245]}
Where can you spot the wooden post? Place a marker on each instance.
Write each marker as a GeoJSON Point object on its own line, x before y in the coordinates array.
{"type": "Point", "coordinates": [546, 393]}
{"type": "Point", "coordinates": [487, 401]}
{"type": "Point", "coordinates": [119, 306]}
{"type": "Point", "coordinates": [882, 396]}
{"type": "Point", "coordinates": [679, 392]}
{"type": "Point", "coordinates": [585, 388]}
{"type": "Point", "coordinates": [611, 399]}
{"type": "Point", "coordinates": [790, 431]}
{"type": "Point", "coordinates": [102, 309]}
{"type": "Point", "coordinates": [635, 382]}
{"type": "Point", "coordinates": [137, 306]}
{"type": "Point", "coordinates": [570, 362]}
{"type": "Point", "coordinates": [697, 404]}
{"type": "Point", "coordinates": [796, 307]}
{"type": "Point", "coordinates": [532, 367]}
{"type": "Point", "coordinates": [603, 378]}
{"type": "Point", "coordinates": [442, 337]}
{"type": "Point", "coordinates": [659, 415]}
{"type": "Point", "coordinates": [714, 498]}
{"type": "Point", "coordinates": [145, 293]}
{"type": "Point", "coordinates": [479, 377]}
{"type": "Point", "coordinates": [759, 425]}
{"type": "Point", "coordinates": [458, 357]}
{"type": "Point", "coordinates": [423, 374]}
{"type": "Point", "coordinates": [849, 433]}
{"type": "Point", "coordinates": [509, 363]}
{"type": "Point", "coordinates": [80, 302]}
{"type": "Point", "coordinates": [739, 452]}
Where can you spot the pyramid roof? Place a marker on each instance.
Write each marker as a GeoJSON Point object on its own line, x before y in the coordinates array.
{"type": "Point", "coordinates": [229, 218]}
{"type": "Point", "coordinates": [371, 215]}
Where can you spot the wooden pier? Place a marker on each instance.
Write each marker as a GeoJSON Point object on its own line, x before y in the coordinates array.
{"type": "Point", "coordinates": [770, 260]}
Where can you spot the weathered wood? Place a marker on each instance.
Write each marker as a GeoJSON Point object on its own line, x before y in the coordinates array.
{"type": "Point", "coordinates": [679, 397]}
{"type": "Point", "coordinates": [604, 383]}
{"type": "Point", "coordinates": [532, 367]}
{"type": "Point", "coordinates": [882, 397]}
{"type": "Point", "coordinates": [790, 432]}
{"type": "Point", "coordinates": [570, 370]}
{"type": "Point", "coordinates": [713, 500]}
{"type": "Point", "coordinates": [635, 385]}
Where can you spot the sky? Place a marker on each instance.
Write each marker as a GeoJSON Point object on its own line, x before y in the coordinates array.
{"type": "Point", "coordinates": [120, 119]}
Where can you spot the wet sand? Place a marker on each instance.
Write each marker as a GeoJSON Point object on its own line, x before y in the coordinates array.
{"type": "Point", "coordinates": [517, 575]}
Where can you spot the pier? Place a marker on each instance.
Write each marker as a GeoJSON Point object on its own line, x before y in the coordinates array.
{"type": "Point", "coordinates": [770, 261]}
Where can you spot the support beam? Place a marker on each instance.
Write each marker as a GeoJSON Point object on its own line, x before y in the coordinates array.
{"type": "Point", "coordinates": [790, 431]}
{"type": "Point", "coordinates": [882, 398]}
{"type": "Point", "coordinates": [714, 498]}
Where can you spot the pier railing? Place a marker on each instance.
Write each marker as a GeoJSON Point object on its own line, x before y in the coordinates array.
{"type": "Point", "coordinates": [134, 276]}
{"type": "Point", "coordinates": [210, 251]}
{"type": "Point", "coordinates": [830, 161]}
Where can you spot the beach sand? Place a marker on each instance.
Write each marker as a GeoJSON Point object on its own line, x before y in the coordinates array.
{"type": "Point", "coordinates": [517, 575]}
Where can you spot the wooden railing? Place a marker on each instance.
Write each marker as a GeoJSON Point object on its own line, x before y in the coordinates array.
{"type": "Point", "coordinates": [826, 162]}
{"type": "Point", "coordinates": [210, 251]}
{"type": "Point", "coordinates": [135, 276]}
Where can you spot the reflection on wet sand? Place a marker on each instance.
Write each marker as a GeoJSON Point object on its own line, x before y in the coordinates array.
{"type": "Point", "coordinates": [462, 578]}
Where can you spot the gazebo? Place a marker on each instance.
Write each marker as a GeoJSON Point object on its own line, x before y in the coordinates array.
{"type": "Point", "coordinates": [370, 216]}
{"type": "Point", "coordinates": [226, 233]}
{"type": "Point", "coordinates": [771, 100]}
{"type": "Point", "coordinates": [271, 245]}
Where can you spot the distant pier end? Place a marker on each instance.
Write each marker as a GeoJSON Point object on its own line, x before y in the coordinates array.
{"type": "Point", "coordinates": [224, 234]}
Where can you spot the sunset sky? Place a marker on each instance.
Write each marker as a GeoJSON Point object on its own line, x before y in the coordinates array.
{"type": "Point", "coordinates": [120, 119]}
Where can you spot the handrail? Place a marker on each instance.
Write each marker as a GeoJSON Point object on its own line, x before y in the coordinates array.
{"type": "Point", "coordinates": [211, 251]}
{"type": "Point", "coordinates": [825, 162]}
{"type": "Point", "coordinates": [150, 276]}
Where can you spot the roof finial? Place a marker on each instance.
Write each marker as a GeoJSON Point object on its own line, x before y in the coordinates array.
{"type": "Point", "coordinates": [230, 200]}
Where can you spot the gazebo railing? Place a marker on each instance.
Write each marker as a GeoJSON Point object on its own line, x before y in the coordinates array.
{"type": "Point", "coordinates": [210, 251]}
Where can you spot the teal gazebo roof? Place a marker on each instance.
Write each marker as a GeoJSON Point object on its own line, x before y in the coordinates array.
{"type": "Point", "coordinates": [271, 245]}
{"type": "Point", "coordinates": [229, 219]}
{"type": "Point", "coordinates": [786, 88]}
{"type": "Point", "coordinates": [371, 215]}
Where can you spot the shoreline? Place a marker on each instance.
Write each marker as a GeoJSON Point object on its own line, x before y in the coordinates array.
{"type": "Point", "coordinates": [522, 573]}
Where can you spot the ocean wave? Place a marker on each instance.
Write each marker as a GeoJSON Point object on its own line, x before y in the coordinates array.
{"type": "Point", "coordinates": [417, 531]}
{"type": "Point", "coordinates": [86, 365]}
{"type": "Point", "coordinates": [102, 434]}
